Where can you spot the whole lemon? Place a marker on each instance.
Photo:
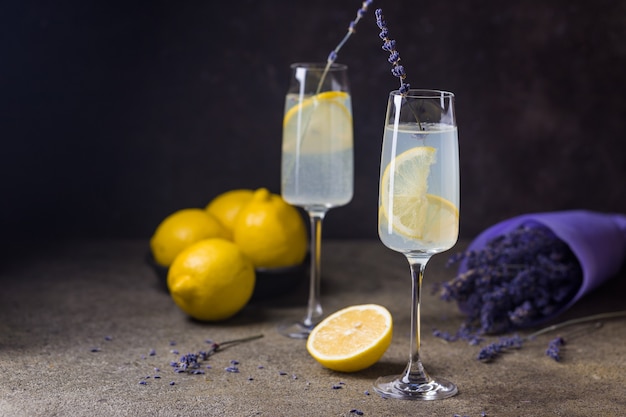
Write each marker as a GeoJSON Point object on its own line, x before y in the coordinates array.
{"type": "Point", "coordinates": [270, 231]}
{"type": "Point", "coordinates": [211, 280]}
{"type": "Point", "coordinates": [179, 230]}
{"type": "Point", "coordinates": [225, 207]}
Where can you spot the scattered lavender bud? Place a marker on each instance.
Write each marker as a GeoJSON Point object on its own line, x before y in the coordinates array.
{"type": "Point", "coordinates": [337, 386]}
{"type": "Point", "coordinates": [282, 373]}
{"type": "Point", "coordinates": [554, 348]}
{"type": "Point", "coordinates": [108, 338]}
{"type": "Point", "coordinates": [357, 412]}
{"type": "Point", "coordinates": [172, 382]}
{"type": "Point", "coordinates": [232, 369]}
{"type": "Point", "coordinates": [172, 343]}
{"type": "Point", "coordinates": [157, 377]}
{"type": "Point", "coordinates": [152, 352]}
{"type": "Point", "coordinates": [250, 378]}
{"type": "Point", "coordinates": [366, 392]}
{"type": "Point", "coordinates": [95, 349]}
{"type": "Point", "coordinates": [142, 382]}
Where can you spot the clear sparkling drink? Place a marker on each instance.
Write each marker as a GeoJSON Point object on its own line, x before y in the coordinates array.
{"type": "Point", "coordinates": [419, 196]}
{"type": "Point", "coordinates": [317, 153]}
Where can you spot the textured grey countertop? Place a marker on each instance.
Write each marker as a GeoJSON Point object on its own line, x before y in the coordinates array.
{"type": "Point", "coordinates": [83, 324]}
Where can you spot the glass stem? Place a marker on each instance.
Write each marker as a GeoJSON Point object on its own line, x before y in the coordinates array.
{"type": "Point", "coordinates": [314, 309]}
{"type": "Point", "coordinates": [414, 372]}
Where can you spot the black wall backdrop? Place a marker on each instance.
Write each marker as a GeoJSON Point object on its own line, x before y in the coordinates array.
{"type": "Point", "coordinates": [114, 116]}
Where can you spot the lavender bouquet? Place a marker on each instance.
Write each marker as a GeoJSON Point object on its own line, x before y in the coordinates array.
{"type": "Point", "coordinates": [529, 269]}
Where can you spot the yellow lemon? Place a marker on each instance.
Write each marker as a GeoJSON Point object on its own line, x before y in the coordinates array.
{"type": "Point", "coordinates": [179, 230]}
{"type": "Point", "coordinates": [351, 339]}
{"type": "Point", "coordinates": [226, 206]}
{"type": "Point", "coordinates": [406, 204]}
{"type": "Point", "coordinates": [211, 280]}
{"type": "Point", "coordinates": [318, 118]}
{"type": "Point", "coordinates": [271, 232]}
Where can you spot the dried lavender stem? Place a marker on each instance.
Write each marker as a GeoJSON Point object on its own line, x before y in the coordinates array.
{"type": "Point", "coordinates": [244, 339]}
{"type": "Point", "coordinates": [335, 52]}
{"type": "Point", "coordinates": [595, 317]}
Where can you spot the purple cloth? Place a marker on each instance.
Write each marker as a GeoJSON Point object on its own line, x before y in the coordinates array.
{"type": "Point", "coordinates": [598, 240]}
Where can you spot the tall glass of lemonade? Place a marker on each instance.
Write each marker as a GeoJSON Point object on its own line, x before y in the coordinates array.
{"type": "Point", "coordinates": [317, 168]}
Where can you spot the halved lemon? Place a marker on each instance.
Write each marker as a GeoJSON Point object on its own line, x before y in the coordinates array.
{"type": "Point", "coordinates": [318, 124]}
{"type": "Point", "coordinates": [406, 204]}
{"type": "Point", "coordinates": [351, 339]}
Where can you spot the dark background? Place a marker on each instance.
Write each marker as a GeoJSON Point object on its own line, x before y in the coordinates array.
{"type": "Point", "coordinates": [115, 115]}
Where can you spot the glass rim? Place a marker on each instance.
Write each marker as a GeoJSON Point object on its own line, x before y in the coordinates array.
{"type": "Point", "coordinates": [424, 93]}
{"type": "Point", "coordinates": [335, 66]}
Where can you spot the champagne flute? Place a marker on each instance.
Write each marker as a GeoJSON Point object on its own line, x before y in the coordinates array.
{"type": "Point", "coordinates": [317, 161]}
{"type": "Point", "coordinates": [418, 211]}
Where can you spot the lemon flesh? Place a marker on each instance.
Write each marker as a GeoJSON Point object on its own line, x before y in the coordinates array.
{"type": "Point", "coordinates": [351, 339]}
{"type": "Point", "coordinates": [319, 124]}
{"type": "Point", "coordinates": [406, 204]}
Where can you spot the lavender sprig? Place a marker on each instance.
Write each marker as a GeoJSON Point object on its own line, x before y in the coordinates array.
{"type": "Point", "coordinates": [332, 57]}
{"type": "Point", "coordinates": [191, 362]}
{"type": "Point", "coordinates": [491, 351]}
{"type": "Point", "coordinates": [389, 45]}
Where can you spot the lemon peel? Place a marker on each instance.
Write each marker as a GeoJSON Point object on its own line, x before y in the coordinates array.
{"type": "Point", "coordinates": [351, 339]}
{"type": "Point", "coordinates": [211, 280]}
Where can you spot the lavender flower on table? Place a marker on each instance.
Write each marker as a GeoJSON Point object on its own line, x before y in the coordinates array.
{"type": "Point", "coordinates": [192, 362]}
{"type": "Point", "coordinates": [389, 45]}
{"type": "Point", "coordinates": [517, 279]}
{"type": "Point", "coordinates": [554, 348]}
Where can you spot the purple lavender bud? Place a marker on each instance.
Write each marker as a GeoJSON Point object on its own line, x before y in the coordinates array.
{"type": "Point", "coordinates": [389, 45]}
{"type": "Point", "coordinates": [554, 348]}
{"type": "Point", "coordinates": [394, 57]}
{"type": "Point", "coordinates": [379, 19]}
{"type": "Point", "coordinates": [398, 71]}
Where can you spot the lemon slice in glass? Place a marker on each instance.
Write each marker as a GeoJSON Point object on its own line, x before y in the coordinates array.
{"type": "Point", "coordinates": [319, 124]}
{"type": "Point", "coordinates": [351, 339]}
{"type": "Point", "coordinates": [406, 205]}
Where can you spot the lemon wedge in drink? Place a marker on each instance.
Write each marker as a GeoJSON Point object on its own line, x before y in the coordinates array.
{"type": "Point", "coordinates": [319, 124]}
{"type": "Point", "coordinates": [406, 205]}
{"type": "Point", "coordinates": [351, 339]}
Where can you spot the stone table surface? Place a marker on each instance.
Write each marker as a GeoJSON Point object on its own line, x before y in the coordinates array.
{"type": "Point", "coordinates": [86, 326]}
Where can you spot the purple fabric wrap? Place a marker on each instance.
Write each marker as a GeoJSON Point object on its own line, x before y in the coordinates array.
{"type": "Point", "coordinates": [598, 240]}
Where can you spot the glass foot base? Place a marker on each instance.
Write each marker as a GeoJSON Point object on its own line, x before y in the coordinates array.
{"type": "Point", "coordinates": [297, 330]}
{"type": "Point", "coordinates": [394, 387]}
